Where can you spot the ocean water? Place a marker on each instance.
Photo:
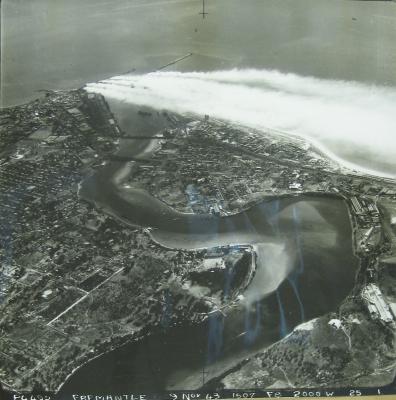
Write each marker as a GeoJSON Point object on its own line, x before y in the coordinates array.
{"type": "Point", "coordinates": [64, 44]}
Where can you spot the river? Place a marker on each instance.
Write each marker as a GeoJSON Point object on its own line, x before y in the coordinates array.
{"type": "Point", "coordinates": [305, 267]}
{"type": "Point", "coordinates": [311, 260]}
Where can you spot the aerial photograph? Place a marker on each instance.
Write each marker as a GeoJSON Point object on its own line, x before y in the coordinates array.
{"type": "Point", "coordinates": [197, 199]}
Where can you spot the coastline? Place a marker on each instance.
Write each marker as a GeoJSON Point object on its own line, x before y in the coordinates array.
{"type": "Point", "coordinates": [344, 165]}
{"type": "Point", "coordinates": [321, 148]}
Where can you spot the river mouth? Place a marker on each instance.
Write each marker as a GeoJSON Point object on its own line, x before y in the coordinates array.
{"type": "Point", "coordinates": [305, 268]}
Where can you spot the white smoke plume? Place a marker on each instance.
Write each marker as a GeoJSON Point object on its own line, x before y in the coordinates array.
{"type": "Point", "coordinates": [352, 121]}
